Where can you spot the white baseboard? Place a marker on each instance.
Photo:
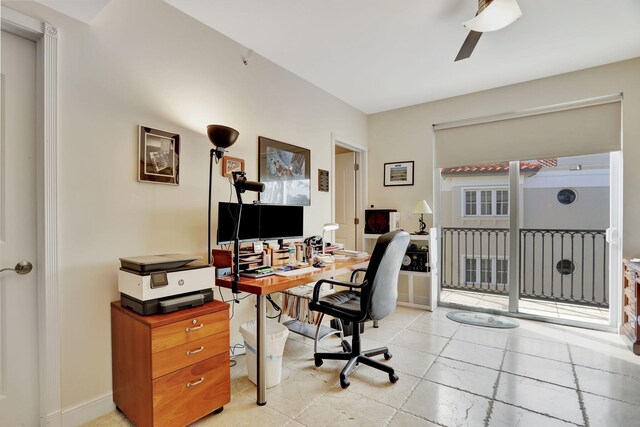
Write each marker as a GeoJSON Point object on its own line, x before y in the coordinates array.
{"type": "Point", "coordinates": [53, 419]}
{"type": "Point", "coordinates": [87, 411]}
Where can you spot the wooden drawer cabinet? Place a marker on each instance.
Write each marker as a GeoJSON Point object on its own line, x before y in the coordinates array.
{"type": "Point", "coordinates": [170, 369]}
{"type": "Point", "coordinates": [631, 278]}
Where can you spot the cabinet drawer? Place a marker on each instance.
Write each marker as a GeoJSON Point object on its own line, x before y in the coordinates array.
{"type": "Point", "coordinates": [182, 397]}
{"type": "Point", "coordinates": [188, 330]}
{"type": "Point", "coordinates": [178, 357]}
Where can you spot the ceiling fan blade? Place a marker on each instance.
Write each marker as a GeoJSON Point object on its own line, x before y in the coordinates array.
{"type": "Point", "coordinates": [469, 44]}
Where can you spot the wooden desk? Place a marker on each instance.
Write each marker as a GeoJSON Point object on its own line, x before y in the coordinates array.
{"type": "Point", "coordinates": [270, 284]}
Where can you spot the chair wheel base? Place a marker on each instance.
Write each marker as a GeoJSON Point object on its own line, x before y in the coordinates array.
{"type": "Point", "coordinates": [393, 378]}
{"type": "Point", "coordinates": [318, 362]}
{"type": "Point", "coordinates": [387, 355]}
{"type": "Point", "coordinates": [344, 383]}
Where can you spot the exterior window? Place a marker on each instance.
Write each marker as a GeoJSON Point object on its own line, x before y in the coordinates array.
{"type": "Point", "coordinates": [566, 196]}
{"type": "Point", "coordinates": [566, 267]}
{"type": "Point", "coordinates": [486, 271]}
{"type": "Point", "coordinates": [502, 271]}
{"type": "Point", "coordinates": [470, 270]}
{"type": "Point", "coordinates": [502, 202]}
{"type": "Point", "coordinates": [470, 203]}
{"type": "Point", "coordinates": [486, 202]}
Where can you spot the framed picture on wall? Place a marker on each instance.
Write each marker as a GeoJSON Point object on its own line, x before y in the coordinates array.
{"type": "Point", "coordinates": [398, 173]}
{"type": "Point", "coordinates": [231, 164]}
{"type": "Point", "coordinates": [158, 156]}
{"type": "Point", "coordinates": [285, 170]}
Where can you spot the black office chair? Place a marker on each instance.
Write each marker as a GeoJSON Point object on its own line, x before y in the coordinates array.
{"type": "Point", "coordinates": [374, 299]}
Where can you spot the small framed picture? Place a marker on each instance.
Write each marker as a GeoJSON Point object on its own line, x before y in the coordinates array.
{"type": "Point", "coordinates": [231, 164]}
{"type": "Point", "coordinates": [398, 173]}
{"type": "Point", "coordinates": [323, 180]}
{"type": "Point", "coordinates": [158, 155]}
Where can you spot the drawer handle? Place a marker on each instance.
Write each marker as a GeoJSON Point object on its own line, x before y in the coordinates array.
{"type": "Point", "coordinates": [196, 351]}
{"type": "Point", "coordinates": [195, 383]}
{"type": "Point", "coordinates": [195, 328]}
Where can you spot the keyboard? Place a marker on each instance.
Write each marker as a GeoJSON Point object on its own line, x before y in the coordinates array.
{"type": "Point", "coordinates": [297, 271]}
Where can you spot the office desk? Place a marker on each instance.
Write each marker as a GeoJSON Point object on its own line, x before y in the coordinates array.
{"type": "Point", "coordinates": [267, 285]}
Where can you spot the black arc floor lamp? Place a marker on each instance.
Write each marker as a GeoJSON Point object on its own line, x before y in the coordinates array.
{"type": "Point", "coordinates": [224, 137]}
{"type": "Point", "coordinates": [221, 137]}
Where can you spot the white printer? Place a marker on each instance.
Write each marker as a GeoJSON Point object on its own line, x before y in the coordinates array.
{"type": "Point", "coordinates": [164, 283]}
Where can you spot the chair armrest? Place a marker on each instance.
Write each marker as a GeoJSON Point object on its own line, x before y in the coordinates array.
{"type": "Point", "coordinates": [319, 283]}
{"type": "Point", "coordinates": [356, 271]}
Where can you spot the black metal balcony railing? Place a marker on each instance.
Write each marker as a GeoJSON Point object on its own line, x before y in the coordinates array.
{"type": "Point", "coordinates": [555, 265]}
{"type": "Point", "coordinates": [464, 246]}
{"type": "Point", "coordinates": [564, 265]}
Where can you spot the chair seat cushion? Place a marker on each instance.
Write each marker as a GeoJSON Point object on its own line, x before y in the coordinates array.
{"type": "Point", "coordinates": [348, 301]}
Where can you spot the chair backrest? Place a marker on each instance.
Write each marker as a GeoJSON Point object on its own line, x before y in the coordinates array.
{"type": "Point", "coordinates": [382, 274]}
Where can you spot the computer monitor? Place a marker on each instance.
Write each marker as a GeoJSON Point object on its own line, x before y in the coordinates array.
{"type": "Point", "coordinates": [281, 222]}
{"type": "Point", "coordinates": [249, 225]}
{"type": "Point", "coordinates": [260, 222]}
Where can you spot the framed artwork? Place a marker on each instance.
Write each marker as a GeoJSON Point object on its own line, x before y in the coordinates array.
{"type": "Point", "coordinates": [159, 156]}
{"type": "Point", "coordinates": [398, 173]}
{"type": "Point", "coordinates": [285, 170]}
{"type": "Point", "coordinates": [323, 180]}
{"type": "Point", "coordinates": [231, 164]}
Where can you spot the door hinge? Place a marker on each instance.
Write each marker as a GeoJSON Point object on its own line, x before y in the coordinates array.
{"type": "Point", "coordinates": [356, 221]}
{"type": "Point", "coordinates": [356, 167]}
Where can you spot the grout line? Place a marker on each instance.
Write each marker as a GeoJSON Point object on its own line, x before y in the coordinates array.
{"type": "Point", "coordinates": [583, 409]}
{"type": "Point", "coordinates": [495, 385]}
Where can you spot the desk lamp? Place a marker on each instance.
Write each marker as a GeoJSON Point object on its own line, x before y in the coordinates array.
{"type": "Point", "coordinates": [221, 137]}
{"type": "Point", "coordinates": [330, 226]}
{"type": "Point", "coordinates": [422, 208]}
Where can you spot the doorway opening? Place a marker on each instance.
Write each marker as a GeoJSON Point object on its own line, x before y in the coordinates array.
{"type": "Point", "coordinates": [349, 190]}
{"type": "Point", "coordinates": [560, 208]}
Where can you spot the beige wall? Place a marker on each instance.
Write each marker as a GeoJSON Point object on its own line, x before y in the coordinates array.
{"type": "Point", "coordinates": [406, 133]}
{"type": "Point", "coordinates": [144, 62]}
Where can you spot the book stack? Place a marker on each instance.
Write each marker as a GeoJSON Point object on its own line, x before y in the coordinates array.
{"type": "Point", "coordinates": [350, 254]}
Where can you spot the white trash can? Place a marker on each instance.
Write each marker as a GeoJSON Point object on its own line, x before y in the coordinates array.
{"type": "Point", "coordinates": [276, 338]}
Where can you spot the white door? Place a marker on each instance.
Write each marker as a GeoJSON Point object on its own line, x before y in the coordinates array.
{"type": "Point", "coordinates": [19, 397]}
{"type": "Point", "coordinates": [346, 199]}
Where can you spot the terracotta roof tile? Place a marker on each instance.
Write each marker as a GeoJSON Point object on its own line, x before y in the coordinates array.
{"type": "Point", "coordinates": [499, 168]}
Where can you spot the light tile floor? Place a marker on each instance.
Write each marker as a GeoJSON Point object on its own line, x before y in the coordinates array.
{"type": "Point", "coordinates": [535, 375]}
{"type": "Point", "coordinates": [537, 307]}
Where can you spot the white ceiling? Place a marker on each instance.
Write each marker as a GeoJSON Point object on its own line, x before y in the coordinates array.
{"type": "Point", "coordinates": [379, 55]}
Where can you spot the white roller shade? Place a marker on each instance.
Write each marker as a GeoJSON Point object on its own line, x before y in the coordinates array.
{"type": "Point", "coordinates": [579, 128]}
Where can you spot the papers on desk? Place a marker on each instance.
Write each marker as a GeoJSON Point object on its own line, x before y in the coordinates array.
{"type": "Point", "coordinates": [351, 254]}
{"type": "Point", "coordinates": [297, 271]}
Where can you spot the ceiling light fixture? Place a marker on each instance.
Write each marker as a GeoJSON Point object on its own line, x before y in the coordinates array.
{"type": "Point", "coordinates": [494, 15]}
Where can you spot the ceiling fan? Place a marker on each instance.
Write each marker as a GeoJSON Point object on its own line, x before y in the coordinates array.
{"type": "Point", "coordinates": [492, 15]}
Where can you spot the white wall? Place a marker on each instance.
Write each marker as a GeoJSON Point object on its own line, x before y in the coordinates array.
{"type": "Point", "coordinates": [406, 133]}
{"type": "Point", "coordinates": [144, 62]}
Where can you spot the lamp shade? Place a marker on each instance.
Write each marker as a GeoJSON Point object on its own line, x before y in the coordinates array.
{"type": "Point", "coordinates": [498, 14]}
{"type": "Point", "coordinates": [222, 136]}
{"type": "Point", "coordinates": [330, 226]}
{"type": "Point", "coordinates": [421, 207]}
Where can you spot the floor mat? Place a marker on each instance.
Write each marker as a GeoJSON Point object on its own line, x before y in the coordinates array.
{"type": "Point", "coordinates": [482, 319]}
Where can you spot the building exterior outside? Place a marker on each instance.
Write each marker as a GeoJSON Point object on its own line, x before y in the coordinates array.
{"type": "Point", "coordinates": [563, 216]}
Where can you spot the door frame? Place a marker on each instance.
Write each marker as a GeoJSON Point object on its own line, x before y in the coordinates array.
{"type": "Point", "coordinates": [361, 182]}
{"type": "Point", "coordinates": [46, 37]}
